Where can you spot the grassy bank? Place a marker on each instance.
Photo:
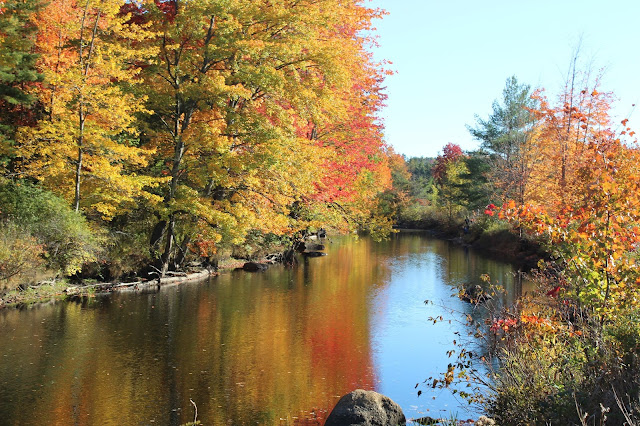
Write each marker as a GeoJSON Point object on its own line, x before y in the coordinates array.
{"type": "Point", "coordinates": [43, 292]}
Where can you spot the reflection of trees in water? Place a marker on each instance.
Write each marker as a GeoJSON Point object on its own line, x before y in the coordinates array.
{"type": "Point", "coordinates": [462, 266]}
{"type": "Point", "coordinates": [244, 347]}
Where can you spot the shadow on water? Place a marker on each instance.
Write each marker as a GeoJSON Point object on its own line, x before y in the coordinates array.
{"type": "Point", "coordinates": [278, 347]}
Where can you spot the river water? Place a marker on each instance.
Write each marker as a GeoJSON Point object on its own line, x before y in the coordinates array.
{"type": "Point", "coordinates": [272, 348]}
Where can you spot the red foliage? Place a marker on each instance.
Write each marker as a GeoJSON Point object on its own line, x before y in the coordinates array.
{"type": "Point", "coordinates": [490, 209]}
{"type": "Point", "coordinates": [358, 143]}
{"type": "Point", "coordinates": [503, 324]}
{"type": "Point", "coordinates": [450, 152]}
{"type": "Point", "coordinates": [554, 291]}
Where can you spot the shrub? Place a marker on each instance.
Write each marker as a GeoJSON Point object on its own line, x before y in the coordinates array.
{"type": "Point", "coordinates": [538, 382]}
{"type": "Point", "coordinates": [65, 236]}
{"type": "Point", "coordinates": [550, 360]}
{"type": "Point", "coordinates": [421, 215]}
{"type": "Point", "coordinates": [563, 366]}
{"type": "Point", "coordinates": [20, 253]}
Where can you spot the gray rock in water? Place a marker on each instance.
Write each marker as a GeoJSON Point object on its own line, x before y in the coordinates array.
{"type": "Point", "coordinates": [314, 254]}
{"type": "Point", "coordinates": [315, 247]}
{"type": "Point", "coordinates": [366, 408]}
{"type": "Point", "coordinates": [254, 267]}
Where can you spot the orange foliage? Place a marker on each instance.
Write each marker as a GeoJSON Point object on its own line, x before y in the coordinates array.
{"type": "Point", "coordinates": [595, 229]}
{"type": "Point", "coordinates": [561, 137]}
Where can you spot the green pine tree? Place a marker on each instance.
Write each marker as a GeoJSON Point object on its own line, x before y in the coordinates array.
{"type": "Point", "coordinates": [17, 70]}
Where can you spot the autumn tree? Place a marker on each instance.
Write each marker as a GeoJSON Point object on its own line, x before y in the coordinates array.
{"type": "Point", "coordinates": [450, 153]}
{"type": "Point", "coordinates": [584, 192]}
{"type": "Point", "coordinates": [564, 129]}
{"type": "Point", "coordinates": [396, 198]}
{"type": "Point", "coordinates": [596, 236]}
{"type": "Point", "coordinates": [218, 118]}
{"type": "Point", "coordinates": [240, 92]}
{"type": "Point", "coordinates": [85, 148]}
{"type": "Point", "coordinates": [449, 173]}
{"type": "Point", "coordinates": [358, 168]}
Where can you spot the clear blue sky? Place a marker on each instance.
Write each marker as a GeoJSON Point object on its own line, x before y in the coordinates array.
{"type": "Point", "coordinates": [452, 58]}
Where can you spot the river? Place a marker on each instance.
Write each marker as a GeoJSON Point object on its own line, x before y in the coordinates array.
{"type": "Point", "coordinates": [272, 348]}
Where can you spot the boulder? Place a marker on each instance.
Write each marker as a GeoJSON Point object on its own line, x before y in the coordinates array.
{"type": "Point", "coordinates": [254, 267]}
{"type": "Point", "coordinates": [366, 408]}
{"type": "Point", "coordinates": [315, 247]}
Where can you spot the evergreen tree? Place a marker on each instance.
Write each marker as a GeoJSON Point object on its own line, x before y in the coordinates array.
{"type": "Point", "coordinates": [17, 70]}
{"type": "Point", "coordinates": [507, 136]}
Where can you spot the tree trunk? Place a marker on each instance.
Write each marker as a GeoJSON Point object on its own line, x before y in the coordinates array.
{"type": "Point", "coordinates": [182, 252]}
{"type": "Point", "coordinates": [168, 247]}
{"type": "Point", "coordinates": [76, 202]}
{"type": "Point", "coordinates": [175, 174]}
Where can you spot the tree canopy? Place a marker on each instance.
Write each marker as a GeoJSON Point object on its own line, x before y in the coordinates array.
{"type": "Point", "coordinates": [220, 117]}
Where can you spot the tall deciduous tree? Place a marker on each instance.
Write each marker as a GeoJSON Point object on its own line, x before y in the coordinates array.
{"type": "Point", "coordinates": [359, 166]}
{"type": "Point", "coordinates": [564, 131]}
{"type": "Point", "coordinates": [234, 85]}
{"type": "Point", "coordinates": [85, 149]}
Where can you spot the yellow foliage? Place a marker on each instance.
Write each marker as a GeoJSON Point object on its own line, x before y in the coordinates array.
{"type": "Point", "coordinates": [85, 149]}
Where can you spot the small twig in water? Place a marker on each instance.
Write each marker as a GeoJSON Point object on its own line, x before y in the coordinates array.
{"type": "Point", "coordinates": [157, 272]}
{"type": "Point", "coordinates": [195, 417]}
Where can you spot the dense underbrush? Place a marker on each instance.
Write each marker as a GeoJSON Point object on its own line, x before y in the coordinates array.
{"type": "Point", "coordinates": [549, 360]}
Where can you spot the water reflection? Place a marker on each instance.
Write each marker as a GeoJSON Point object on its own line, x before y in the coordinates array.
{"type": "Point", "coordinates": [408, 346]}
{"type": "Point", "coordinates": [271, 348]}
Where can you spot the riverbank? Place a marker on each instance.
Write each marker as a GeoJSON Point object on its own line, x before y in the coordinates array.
{"type": "Point", "coordinates": [50, 291]}
{"type": "Point", "coordinates": [60, 289]}
{"type": "Point", "coordinates": [55, 290]}
{"type": "Point", "coordinates": [498, 243]}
